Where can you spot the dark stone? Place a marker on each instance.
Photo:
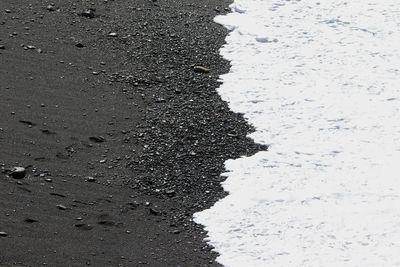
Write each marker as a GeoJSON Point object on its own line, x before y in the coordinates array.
{"type": "Point", "coordinates": [61, 207]}
{"type": "Point", "coordinates": [57, 194]}
{"type": "Point", "coordinates": [84, 226]}
{"type": "Point", "coordinates": [30, 220]}
{"type": "Point", "coordinates": [61, 155]}
{"type": "Point", "coordinates": [3, 234]}
{"type": "Point", "coordinates": [48, 132]}
{"type": "Point", "coordinates": [170, 192]}
{"type": "Point", "coordinates": [160, 100]}
{"type": "Point", "coordinates": [97, 139]}
{"type": "Point", "coordinates": [27, 122]}
{"type": "Point", "coordinates": [201, 69]}
{"type": "Point", "coordinates": [88, 13]}
{"type": "Point", "coordinates": [51, 8]}
{"type": "Point", "coordinates": [18, 172]}
{"type": "Point", "coordinates": [106, 223]}
{"type": "Point", "coordinates": [90, 179]}
{"type": "Point", "coordinates": [154, 212]}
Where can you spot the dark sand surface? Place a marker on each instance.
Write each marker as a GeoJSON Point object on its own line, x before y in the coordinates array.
{"type": "Point", "coordinates": [128, 110]}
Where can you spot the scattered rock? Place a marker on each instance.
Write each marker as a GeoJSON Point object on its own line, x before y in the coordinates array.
{"type": "Point", "coordinates": [182, 124]}
{"type": "Point", "coordinates": [201, 69]}
{"type": "Point", "coordinates": [7, 10]}
{"type": "Point", "coordinates": [18, 172]}
{"type": "Point", "coordinates": [2, 47]}
{"type": "Point", "coordinates": [113, 34]}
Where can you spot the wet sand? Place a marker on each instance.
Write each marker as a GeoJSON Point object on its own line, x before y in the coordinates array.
{"type": "Point", "coordinates": [123, 138]}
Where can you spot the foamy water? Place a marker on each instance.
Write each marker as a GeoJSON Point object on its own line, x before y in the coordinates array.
{"type": "Point", "coordinates": [320, 81]}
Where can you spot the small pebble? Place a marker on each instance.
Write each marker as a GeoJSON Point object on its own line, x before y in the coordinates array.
{"type": "Point", "coordinates": [51, 8]}
{"type": "Point", "coordinates": [170, 193]}
{"type": "Point", "coordinates": [154, 212]}
{"type": "Point", "coordinates": [88, 13]}
{"type": "Point", "coordinates": [3, 234]}
{"type": "Point", "coordinates": [61, 207]}
{"type": "Point", "coordinates": [201, 69]}
{"type": "Point", "coordinates": [97, 139]}
{"type": "Point", "coordinates": [30, 220]}
{"type": "Point", "coordinates": [18, 172]}
{"type": "Point", "coordinates": [90, 179]}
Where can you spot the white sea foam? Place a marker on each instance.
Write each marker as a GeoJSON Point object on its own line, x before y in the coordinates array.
{"type": "Point", "coordinates": [320, 82]}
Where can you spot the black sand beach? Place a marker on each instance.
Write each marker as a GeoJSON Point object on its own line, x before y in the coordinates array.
{"type": "Point", "coordinates": [122, 135]}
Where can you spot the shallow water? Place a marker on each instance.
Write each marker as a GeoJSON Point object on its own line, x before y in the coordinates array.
{"type": "Point", "coordinates": [320, 82]}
